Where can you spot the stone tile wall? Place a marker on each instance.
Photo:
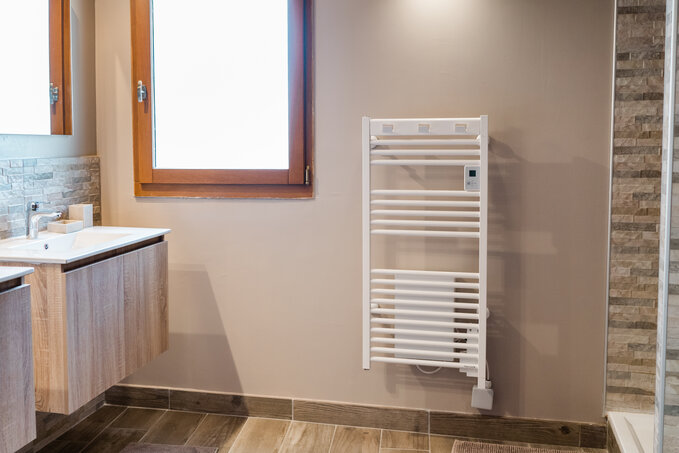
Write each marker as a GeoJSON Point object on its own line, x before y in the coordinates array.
{"type": "Point", "coordinates": [635, 211]}
{"type": "Point", "coordinates": [59, 182]}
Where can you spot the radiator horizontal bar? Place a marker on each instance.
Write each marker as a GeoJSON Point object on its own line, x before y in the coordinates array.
{"type": "Point", "coordinates": [424, 126]}
{"type": "Point", "coordinates": [432, 284]}
{"type": "Point", "coordinates": [427, 203]}
{"type": "Point", "coordinates": [418, 322]}
{"type": "Point", "coordinates": [424, 333]}
{"type": "Point", "coordinates": [472, 275]}
{"type": "Point", "coordinates": [426, 152]}
{"type": "Point", "coordinates": [426, 303]}
{"type": "Point", "coordinates": [426, 193]}
{"type": "Point", "coordinates": [427, 343]}
{"type": "Point", "coordinates": [435, 363]}
{"type": "Point", "coordinates": [425, 162]}
{"type": "Point", "coordinates": [423, 352]}
{"type": "Point", "coordinates": [424, 213]}
{"type": "Point", "coordinates": [426, 142]}
{"type": "Point", "coordinates": [427, 234]}
{"type": "Point", "coordinates": [433, 314]}
{"type": "Point", "coordinates": [441, 294]}
{"type": "Point", "coordinates": [427, 223]}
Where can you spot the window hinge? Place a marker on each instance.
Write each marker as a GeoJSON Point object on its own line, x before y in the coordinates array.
{"type": "Point", "coordinates": [307, 175]}
{"type": "Point", "coordinates": [141, 91]}
{"type": "Point", "coordinates": [54, 94]}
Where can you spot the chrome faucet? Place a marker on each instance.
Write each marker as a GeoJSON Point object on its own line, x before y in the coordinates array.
{"type": "Point", "coordinates": [33, 217]}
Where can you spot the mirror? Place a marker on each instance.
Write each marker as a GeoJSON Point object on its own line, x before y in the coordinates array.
{"type": "Point", "coordinates": [35, 80]}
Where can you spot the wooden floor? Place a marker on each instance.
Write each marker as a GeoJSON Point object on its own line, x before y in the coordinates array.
{"type": "Point", "coordinates": [113, 429]}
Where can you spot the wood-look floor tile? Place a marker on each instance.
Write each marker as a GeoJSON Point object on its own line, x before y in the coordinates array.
{"type": "Point", "coordinates": [401, 450]}
{"type": "Point", "coordinates": [228, 404]}
{"type": "Point", "coordinates": [359, 415]}
{"type": "Point", "coordinates": [113, 440]}
{"type": "Point", "coordinates": [355, 440]}
{"type": "Point", "coordinates": [593, 436]}
{"type": "Point", "coordinates": [260, 435]}
{"type": "Point", "coordinates": [308, 438]}
{"type": "Point", "coordinates": [441, 444]}
{"type": "Point", "coordinates": [505, 428]}
{"type": "Point", "coordinates": [404, 440]}
{"type": "Point", "coordinates": [217, 431]}
{"type": "Point", "coordinates": [173, 428]}
{"type": "Point", "coordinates": [48, 423]}
{"type": "Point", "coordinates": [123, 395]}
{"type": "Point", "coordinates": [157, 448]}
{"type": "Point", "coordinates": [135, 418]}
{"type": "Point", "coordinates": [63, 446]}
{"type": "Point", "coordinates": [89, 428]}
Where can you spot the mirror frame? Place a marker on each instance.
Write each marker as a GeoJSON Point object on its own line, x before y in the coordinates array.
{"type": "Point", "coordinates": [61, 112]}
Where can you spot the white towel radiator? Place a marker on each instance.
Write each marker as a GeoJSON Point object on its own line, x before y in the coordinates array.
{"type": "Point", "coordinates": [424, 317]}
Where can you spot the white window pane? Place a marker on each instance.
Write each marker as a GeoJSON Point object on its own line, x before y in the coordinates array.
{"type": "Point", "coordinates": [24, 59]}
{"type": "Point", "coordinates": [221, 84]}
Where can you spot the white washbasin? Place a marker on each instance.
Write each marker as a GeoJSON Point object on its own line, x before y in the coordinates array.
{"type": "Point", "coordinates": [66, 242]}
{"type": "Point", "coordinates": [65, 248]}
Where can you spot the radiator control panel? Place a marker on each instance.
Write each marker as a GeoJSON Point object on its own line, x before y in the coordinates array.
{"type": "Point", "coordinates": [472, 178]}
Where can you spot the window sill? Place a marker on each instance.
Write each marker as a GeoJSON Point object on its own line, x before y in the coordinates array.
{"type": "Point", "coordinates": [223, 191]}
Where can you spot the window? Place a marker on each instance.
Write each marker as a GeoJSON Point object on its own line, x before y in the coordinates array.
{"type": "Point", "coordinates": [222, 106]}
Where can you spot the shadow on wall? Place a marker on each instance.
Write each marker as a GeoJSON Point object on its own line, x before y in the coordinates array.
{"type": "Point", "coordinates": [206, 359]}
{"type": "Point", "coordinates": [537, 286]}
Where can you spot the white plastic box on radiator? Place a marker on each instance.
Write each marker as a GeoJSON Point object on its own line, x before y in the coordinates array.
{"type": "Point", "coordinates": [415, 316]}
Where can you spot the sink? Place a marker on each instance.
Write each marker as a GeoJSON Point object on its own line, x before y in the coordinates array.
{"type": "Point", "coordinates": [62, 248]}
{"type": "Point", "coordinates": [66, 242]}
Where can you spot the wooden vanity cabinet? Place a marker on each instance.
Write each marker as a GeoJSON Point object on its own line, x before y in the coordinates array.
{"type": "Point", "coordinates": [96, 321]}
{"type": "Point", "coordinates": [17, 401]}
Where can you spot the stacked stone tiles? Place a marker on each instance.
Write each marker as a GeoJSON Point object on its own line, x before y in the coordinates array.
{"type": "Point", "coordinates": [59, 182]}
{"type": "Point", "coordinates": [635, 211]}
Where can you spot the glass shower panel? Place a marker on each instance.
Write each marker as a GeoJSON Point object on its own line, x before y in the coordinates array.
{"type": "Point", "coordinates": [667, 359]}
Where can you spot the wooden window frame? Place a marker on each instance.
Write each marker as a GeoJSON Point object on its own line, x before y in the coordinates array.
{"type": "Point", "coordinates": [61, 112]}
{"type": "Point", "coordinates": [296, 182]}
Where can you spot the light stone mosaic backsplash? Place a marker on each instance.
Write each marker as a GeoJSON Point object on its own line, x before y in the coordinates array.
{"type": "Point", "coordinates": [57, 182]}
{"type": "Point", "coordinates": [635, 211]}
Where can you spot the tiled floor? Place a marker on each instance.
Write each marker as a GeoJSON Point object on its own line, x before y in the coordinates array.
{"type": "Point", "coordinates": [113, 428]}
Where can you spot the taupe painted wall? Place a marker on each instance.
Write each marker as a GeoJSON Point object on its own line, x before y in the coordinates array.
{"type": "Point", "coordinates": [265, 295]}
{"type": "Point", "coordinates": [83, 140]}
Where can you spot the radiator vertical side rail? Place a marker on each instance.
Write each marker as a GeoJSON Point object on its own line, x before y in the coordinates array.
{"type": "Point", "coordinates": [483, 254]}
{"type": "Point", "coordinates": [365, 194]}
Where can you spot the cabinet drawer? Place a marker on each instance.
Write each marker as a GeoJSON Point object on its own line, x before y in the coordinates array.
{"type": "Point", "coordinates": [94, 329]}
{"type": "Point", "coordinates": [17, 397]}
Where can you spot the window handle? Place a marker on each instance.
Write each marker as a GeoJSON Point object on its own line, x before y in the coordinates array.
{"type": "Point", "coordinates": [141, 91]}
{"type": "Point", "coordinates": [54, 94]}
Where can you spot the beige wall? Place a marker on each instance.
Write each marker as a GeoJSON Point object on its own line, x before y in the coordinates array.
{"type": "Point", "coordinates": [83, 140]}
{"type": "Point", "coordinates": [265, 295]}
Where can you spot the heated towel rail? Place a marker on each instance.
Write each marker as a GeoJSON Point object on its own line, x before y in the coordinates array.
{"type": "Point", "coordinates": [416, 316]}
